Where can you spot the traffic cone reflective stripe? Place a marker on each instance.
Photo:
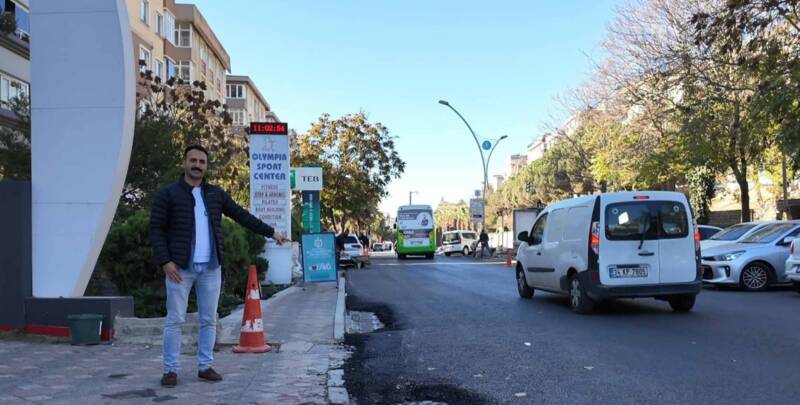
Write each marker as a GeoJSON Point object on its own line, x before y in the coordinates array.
{"type": "Point", "coordinates": [251, 338]}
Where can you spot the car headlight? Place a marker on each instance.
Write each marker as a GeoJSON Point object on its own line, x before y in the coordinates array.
{"type": "Point", "coordinates": [729, 257]}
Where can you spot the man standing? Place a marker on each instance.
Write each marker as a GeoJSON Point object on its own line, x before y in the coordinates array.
{"type": "Point", "coordinates": [484, 241]}
{"type": "Point", "coordinates": [186, 236]}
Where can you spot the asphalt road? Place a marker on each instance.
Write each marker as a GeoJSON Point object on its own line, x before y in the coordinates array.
{"type": "Point", "coordinates": [458, 332]}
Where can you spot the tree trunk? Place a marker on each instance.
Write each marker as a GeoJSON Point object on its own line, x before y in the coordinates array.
{"type": "Point", "coordinates": [744, 188]}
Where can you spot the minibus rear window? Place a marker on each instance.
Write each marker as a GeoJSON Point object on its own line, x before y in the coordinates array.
{"type": "Point", "coordinates": [646, 219]}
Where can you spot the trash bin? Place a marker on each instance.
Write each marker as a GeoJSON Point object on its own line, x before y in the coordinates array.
{"type": "Point", "coordinates": [84, 329]}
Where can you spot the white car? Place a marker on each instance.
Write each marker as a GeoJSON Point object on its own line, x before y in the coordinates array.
{"type": "Point", "coordinates": [458, 242]}
{"type": "Point", "coordinates": [793, 264]}
{"type": "Point", "coordinates": [732, 234]}
{"type": "Point", "coordinates": [600, 247]}
{"type": "Point", "coordinates": [353, 253]}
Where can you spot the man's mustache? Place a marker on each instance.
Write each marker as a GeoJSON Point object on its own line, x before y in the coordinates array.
{"type": "Point", "coordinates": [194, 169]}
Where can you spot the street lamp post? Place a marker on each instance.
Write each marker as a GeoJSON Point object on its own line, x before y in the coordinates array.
{"type": "Point", "coordinates": [484, 160]}
{"type": "Point", "coordinates": [409, 196]}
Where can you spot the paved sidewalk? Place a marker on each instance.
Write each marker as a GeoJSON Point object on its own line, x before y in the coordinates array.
{"type": "Point", "coordinates": [299, 372]}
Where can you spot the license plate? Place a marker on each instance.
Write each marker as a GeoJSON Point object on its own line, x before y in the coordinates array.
{"type": "Point", "coordinates": [627, 271]}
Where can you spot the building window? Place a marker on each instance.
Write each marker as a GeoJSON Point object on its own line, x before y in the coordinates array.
{"type": "Point", "coordinates": [144, 60]}
{"type": "Point", "coordinates": [21, 17]}
{"type": "Point", "coordinates": [144, 11]}
{"type": "Point", "coordinates": [159, 70]}
{"type": "Point", "coordinates": [202, 53]}
{"type": "Point", "coordinates": [183, 70]}
{"type": "Point", "coordinates": [183, 35]}
{"type": "Point", "coordinates": [238, 117]}
{"type": "Point", "coordinates": [235, 91]}
{"type": "Point", "coordinates": [169, 28]}
{"type": "Point", "coordinates": [170, 68]}
{"type": "Point", "coordinates": [11, 88]}
{"type": "Point", "coordinates": [159, 24]}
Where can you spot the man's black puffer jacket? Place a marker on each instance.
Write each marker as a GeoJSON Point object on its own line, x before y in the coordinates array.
{"type": "Point", "coordinates": [172, 221]}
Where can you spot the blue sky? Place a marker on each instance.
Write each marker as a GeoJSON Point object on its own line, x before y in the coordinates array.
{"type": "Point", "coordinates": [501, 64]}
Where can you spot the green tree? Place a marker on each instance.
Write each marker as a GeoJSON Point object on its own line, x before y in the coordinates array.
{"type": "Point", "coordinates": [764, 38]}
{"type": "Point", "coordinates": [358, 159]}
{"type": "Point", "coordinates": [173, 115]}
{"type": "Point", "coordinates": [451, 216]}
{"type": "Point", "coordinates": [15, 143]}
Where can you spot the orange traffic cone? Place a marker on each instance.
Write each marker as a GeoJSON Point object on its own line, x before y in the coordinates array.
{"type": "Point", "coordinates": [251, 339]}
{"type": "Point", "coordinates": [508, 257]}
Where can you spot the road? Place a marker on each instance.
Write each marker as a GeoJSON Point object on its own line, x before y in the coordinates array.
{"type": "Point", "coordinates": [458, 332]}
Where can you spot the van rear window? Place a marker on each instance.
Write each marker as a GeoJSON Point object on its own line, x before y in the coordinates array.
{"type": "Point", "coordinates": [651, 219]}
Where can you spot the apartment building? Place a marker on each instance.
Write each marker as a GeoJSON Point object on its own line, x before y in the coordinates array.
{"type": "Point", "coordinates": [516, 163]}
{"type": "Point", "coordinates": [246, 103]}
{"type": "Point", "coordinates": [15, 64]}
{"type": "Point", "coordinates": [174, 40]}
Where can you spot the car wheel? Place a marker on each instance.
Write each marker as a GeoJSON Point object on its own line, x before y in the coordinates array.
{"type": "Point", "coordinates": [465, 252]}
{"type": "Point", "coordinates": [429, 256]}
{"type": "Point", "coordinates": [401, 257]}
{"type": "Point", "coordinates": [579, 301]}
{"type": "Point", "coordinates": [681, 303]}
{"type": "Point", "coordinates": [755, 277]}
{"type": "Point", "coordinates": [797, 286]}
{"type": "Point", "coordinates": [522, 287]}
{"type": "Point", "coordinates": [447, 253]}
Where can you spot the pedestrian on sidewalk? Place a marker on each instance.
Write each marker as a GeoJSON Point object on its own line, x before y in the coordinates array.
{"type": "Point", "coordinates": [483, 240]}
{"type": "Point", "coordinates": [186, 236]}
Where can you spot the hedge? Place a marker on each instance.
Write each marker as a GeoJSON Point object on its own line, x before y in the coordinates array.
{"type": "Point", "coordinates": [127, 261]}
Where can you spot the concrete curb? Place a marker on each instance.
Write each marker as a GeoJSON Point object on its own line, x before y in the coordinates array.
{"type": "Point", "coordinates": [338, 316]}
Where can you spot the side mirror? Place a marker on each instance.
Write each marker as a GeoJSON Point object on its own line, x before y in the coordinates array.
{"type": "Point", "coordinates": [523, 236]}
{"type": "Point", "coordinates": [787, 240]}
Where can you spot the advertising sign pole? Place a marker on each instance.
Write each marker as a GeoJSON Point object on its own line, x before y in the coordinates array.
{"type": "Point", "coordinates": [270, 194]}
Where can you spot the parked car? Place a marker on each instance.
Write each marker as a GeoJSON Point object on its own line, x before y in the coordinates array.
{"type": "Point", "coordinates": [377, 247]}
{"type": "Point", "coordinates": [793, 264]}
{"type": "Point", "coordinates": [707, 231]}
{"type": "Point", "coordinates": [458, 242]}
{"type": "Point", "coordinates": [613, 245]}
{"type": "Point", "coordinates": [754, 262]}
{"type": "Point", "coordinates": [733, 233]}
{"type": "Point", "coordinates": [353, 254]}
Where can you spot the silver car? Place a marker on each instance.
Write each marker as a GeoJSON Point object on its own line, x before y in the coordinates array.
{"type": "Point", "coordinates": [754, 262]}
{"type": "Point", "coordinates": [733, 233]}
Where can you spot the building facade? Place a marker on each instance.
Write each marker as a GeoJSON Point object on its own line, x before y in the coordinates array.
{"type": "Point", "coordinates": [245, 102]}
{"type": "Point", "coordinates": [174, 40]}
{"type": "Point", "coordinates": [15, 64]}
{"type": "Point", "coordinates": [516, 163]}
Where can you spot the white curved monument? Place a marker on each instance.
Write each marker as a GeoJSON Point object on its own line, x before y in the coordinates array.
{"type": "Point", "coordinates": [83, 106]}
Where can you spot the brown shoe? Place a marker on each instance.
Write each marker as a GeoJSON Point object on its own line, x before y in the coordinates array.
{"type": "Point", "coordinates": [169, 379]}
{"type": "Point", "coordinates": [209, 374]}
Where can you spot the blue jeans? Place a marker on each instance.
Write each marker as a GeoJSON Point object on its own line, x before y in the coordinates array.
{"type": "Point", "coordinates": [207, 282]}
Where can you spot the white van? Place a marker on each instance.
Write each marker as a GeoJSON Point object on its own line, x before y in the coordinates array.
{"type": "Point", "coordinates": [458, 242]}
{"type": "Point", "coordinates": [613, 245]}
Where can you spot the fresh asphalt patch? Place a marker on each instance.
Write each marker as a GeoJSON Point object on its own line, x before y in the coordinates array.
{"type": "Point", "coordinates": [376, 372]}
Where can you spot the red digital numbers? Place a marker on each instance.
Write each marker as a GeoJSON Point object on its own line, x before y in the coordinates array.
{"type": "Point", "coordinates": [269, 128]}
